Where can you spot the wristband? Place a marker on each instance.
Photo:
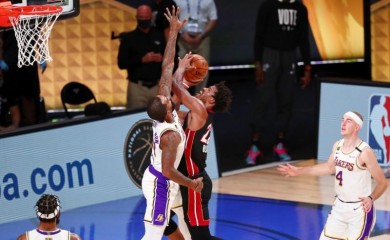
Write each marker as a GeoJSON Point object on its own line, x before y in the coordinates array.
{"type": "Point", "coordinates": [371, 198]}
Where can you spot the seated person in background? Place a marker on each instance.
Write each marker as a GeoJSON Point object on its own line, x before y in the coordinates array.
{"type": "Point", "coordinates": [48, 211]}
{"type": "Point", "coordinates": [9, 110]}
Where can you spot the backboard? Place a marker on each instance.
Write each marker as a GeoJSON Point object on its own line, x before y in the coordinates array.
{"type": "Point", "coordinates": [71, 8]}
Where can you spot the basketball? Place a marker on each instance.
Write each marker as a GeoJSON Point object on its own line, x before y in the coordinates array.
{"type": "Point", "coordinates": [199, 72]}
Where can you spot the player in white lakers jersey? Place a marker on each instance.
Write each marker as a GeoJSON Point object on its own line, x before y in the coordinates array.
{"type": "Point", "coordinates": [48, 211]}
{"type": "Point", "coordinates": [353, 163]}
{"type": "Point", "coordinates": [160, 180]}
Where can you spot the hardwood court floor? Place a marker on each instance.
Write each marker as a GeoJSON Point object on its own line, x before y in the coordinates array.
{"type": "Point", "coordinates": [264, 181]}
{"type": "Point", "coordinates": [255, 205]}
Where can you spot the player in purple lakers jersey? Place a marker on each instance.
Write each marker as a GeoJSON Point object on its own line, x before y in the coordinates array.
{"type": "Point", "coordinates": [353, 163]}
{"type": "Point", "coordinates": [48, 210]}
{"type": "Point", "coordinates": [160, 182]}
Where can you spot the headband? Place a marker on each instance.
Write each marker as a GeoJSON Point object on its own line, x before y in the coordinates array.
{"type": "Point", "coordinates": [49, 215]}
{"type": "Point", "coordinates": [355, 118]}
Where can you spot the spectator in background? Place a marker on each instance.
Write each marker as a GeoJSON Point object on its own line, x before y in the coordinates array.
{"type": "Point", "coordinates": [48, 210]}
{"type": "Point", "coordinates": [162, 24]}
{"type": "Point", "coordinates": [160, 21]}
{"type": "Point", "coordinates": [140, 53]}
{"type": "Point", "coordinates": [23, 83]}
{"type": "Point", "coordinates": [281, 27]}
{"type": "Point", "coordinates": [194, 37]}
{"type": "Point", "coordinates": [9, 109]}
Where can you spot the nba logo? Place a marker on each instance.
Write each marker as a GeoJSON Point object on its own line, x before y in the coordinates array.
{"type": "Point", "coordinates": [379, 128]}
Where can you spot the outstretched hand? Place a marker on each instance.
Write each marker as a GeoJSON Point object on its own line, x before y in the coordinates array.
{"type": "Point", "coordinates": [288, 170]}
{"type": "Point", "coordinates": [173, 19]}
{"type": "Point", "coordinates": [185, 65]}
{"type": "Point", "coordinates": [185, 62]}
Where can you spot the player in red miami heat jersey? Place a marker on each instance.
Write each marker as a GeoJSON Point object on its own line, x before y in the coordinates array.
{"type": "Point", "coordinates": [160, 179]}
{"type": "Point", "coordinates": [353, 163]}
{"type": "Point", "coordinates": [198, 126]}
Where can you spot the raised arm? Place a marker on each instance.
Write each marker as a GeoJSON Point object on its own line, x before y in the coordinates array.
{"type": "Point", "coordinates": [198, 111]}
{"type": "Point", "coordinates": [165, 84]}
{"type": "Point", "coordinates": [326, 168]}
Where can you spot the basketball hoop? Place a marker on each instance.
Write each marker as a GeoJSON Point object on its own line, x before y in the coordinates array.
{"type": "Point", "coordinates": [32, 26]}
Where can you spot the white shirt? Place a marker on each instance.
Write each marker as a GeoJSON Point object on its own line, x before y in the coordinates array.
{"type": "Point", "coordinates": [38, 234]}
{"type": "Point", "coordinates": [197, 11]}
{"type": "Point", "coordinates": [351, 180]}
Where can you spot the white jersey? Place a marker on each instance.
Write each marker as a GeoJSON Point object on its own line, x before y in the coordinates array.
{"type": "Point", "coordinates": [158, 130]}
{"type": "Point", "coordinates": [38, 234]}
{"type": "Point", "coordinates": [351, 180]}
{"type": "Point", "coordinates": [159, 191]}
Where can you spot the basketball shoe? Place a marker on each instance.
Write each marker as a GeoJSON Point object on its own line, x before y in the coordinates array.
{"type": "Point", "coordinates": [281, 153]}
{"type": "Point", "coordinates": [253, 154]}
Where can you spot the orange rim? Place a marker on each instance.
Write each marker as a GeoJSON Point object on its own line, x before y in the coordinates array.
{"type": "Point", "coordinates": [37, 10]}
{"type": "Point", "coordinates": [7, 12]}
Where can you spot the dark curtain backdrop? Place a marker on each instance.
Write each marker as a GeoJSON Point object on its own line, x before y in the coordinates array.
{"type": "Point", "coordinates": [233, 38]}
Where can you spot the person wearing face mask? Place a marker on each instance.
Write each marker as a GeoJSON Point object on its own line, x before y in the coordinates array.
{"type": "Point", "coordinates": [141, 53]}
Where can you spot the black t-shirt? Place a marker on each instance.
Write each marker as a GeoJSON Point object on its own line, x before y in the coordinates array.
{"type": "Point", "coordinates": [282, 26]}
{"type": "Point", "coordinates": [133, 46]}
{"type": "Point", "coordinates": [10, 49]}
{"type": "Point", "coordinates": [161, 21]}
{"type": "Point", "coordinates": [6, 102]}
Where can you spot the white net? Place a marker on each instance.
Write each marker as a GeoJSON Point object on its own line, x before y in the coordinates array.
{"type": "Point", "coordinates": [32, 31]}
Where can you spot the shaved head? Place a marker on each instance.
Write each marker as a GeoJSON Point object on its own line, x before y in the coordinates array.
{"type": "Point", "coordinates": [144, 12]}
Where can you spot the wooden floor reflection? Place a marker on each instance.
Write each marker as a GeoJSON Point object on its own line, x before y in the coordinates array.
{"type": "Point", "coordinates": [264, 181]}
{"type": "Point", "coordinates": [258, 204]}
